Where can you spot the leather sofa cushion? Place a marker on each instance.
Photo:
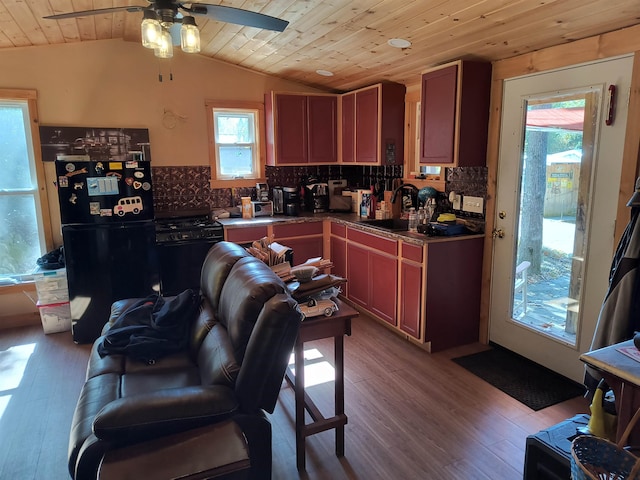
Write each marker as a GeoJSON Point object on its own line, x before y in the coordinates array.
{"type": "Point", "coordinates": [150, 415]}
{"type": "Point", "coordinates": [249, 285]}
{"type": "Point", "coordinates": [217, 264]}
{"type": "Point", "coordinates": [215, 359]}
{"type": "Point", "coordinates": [154, 380]}
{"type": "Point", "coordinates": [95, 394]}
{"type": "Point", "coordinates": [98, 365]}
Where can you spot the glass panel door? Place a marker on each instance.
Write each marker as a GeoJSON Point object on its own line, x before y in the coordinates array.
{"type": "Point", "coordinates": [550, 242]}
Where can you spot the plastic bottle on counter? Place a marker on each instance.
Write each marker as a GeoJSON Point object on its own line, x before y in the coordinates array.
{"type": "Point", "coordinates": [413, 220]}
{"type": "Point", "coordinates": [421, 215]}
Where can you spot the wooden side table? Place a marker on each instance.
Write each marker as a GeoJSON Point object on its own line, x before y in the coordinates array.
{"type": "Point", "coordinates": [337, 326]}
{"type": "Point", "coordinates": [622, 373]}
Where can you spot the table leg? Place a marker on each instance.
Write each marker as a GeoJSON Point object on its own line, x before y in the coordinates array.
{"type": "Point", "coordinates": [339, 392]}
{"type": "Point", "coordinates": [299, 397]}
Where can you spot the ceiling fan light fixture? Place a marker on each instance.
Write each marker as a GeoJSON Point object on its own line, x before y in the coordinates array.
{"type": "Point", "coordinates": [189, 35]}
{"type": "Point", "coordinates": [165, 47]}
{"type": "Point", "coordinates": [150, 29]}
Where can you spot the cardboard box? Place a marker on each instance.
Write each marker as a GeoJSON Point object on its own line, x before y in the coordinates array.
{"type": "Point", "coordinates": [56, 317]}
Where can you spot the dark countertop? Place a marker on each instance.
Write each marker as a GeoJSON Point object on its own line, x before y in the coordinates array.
{"type": "Point", "coordinates": [348, 219]}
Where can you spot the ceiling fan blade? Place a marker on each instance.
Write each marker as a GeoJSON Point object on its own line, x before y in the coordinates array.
{"type": "Point", "coordinates": [98, 11]}
{"type": "Point", "coordinates": [238, 16]}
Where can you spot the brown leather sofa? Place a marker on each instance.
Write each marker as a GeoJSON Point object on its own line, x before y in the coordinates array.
{"type": "Point", "coordinates": [200, 412]}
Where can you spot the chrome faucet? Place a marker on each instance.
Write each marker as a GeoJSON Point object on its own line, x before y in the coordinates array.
{"type": "Point", "coordinates": [403, 187]}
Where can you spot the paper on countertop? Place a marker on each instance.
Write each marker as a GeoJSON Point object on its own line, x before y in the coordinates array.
{"type": "Point", "coordinates": [631, 352]}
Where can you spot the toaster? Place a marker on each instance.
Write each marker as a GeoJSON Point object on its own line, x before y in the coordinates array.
{"type": "Point", "coordinates": [262, 209]}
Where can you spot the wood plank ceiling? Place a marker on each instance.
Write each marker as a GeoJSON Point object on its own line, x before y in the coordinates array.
{"type": "Point", "coordinates": [346, 37]}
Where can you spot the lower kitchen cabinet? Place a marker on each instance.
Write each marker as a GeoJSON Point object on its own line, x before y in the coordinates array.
{"type": "Point", "coordinates": [411, 289]}
{"type": "Point", "coordinates": [384, 285]}
{"type": "Point", "coordinates": [244, 234]}
{"type": "Point", "coordinates": [372, 265]}
{"type": "Point", "coordinates": [305, 239]}
{"type": "Point", "coordinates": [452, 302]}
{"type": "Point", "coordinates": [338, 252]}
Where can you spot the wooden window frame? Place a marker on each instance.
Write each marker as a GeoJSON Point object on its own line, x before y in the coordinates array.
{"type": "Point", "coordinates": [213, 105]}
{"type": "Point", "coordinates": [31, 97]}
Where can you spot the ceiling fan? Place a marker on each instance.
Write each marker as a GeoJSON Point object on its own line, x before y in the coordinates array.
{"type": "Point", "coordinates": [161, 15]}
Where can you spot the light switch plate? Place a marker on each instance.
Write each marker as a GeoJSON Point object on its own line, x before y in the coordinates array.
{"type": "Point", "coordinates": [473, 204]}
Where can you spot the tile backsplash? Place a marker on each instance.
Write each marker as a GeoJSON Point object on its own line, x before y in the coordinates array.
{"type": "Point", "coordinates": [184, 187]}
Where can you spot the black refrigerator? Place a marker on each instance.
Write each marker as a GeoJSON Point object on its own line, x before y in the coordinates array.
{"type": "Point", "coordinates": [106, 211]}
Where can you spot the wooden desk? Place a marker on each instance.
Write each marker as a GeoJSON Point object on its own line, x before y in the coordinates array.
{"type": "Point", "coordinates": [336, 326]}
{"type": "Point", "coordinates": [622, 373]}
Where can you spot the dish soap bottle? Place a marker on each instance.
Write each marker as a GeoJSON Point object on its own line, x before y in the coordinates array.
{"type": "Point", "coordinates": [413, 220]}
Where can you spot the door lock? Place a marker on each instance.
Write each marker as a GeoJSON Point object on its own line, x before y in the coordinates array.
{"type": "Point", "coordinates": [497, 233]}
{"type": "Point", "coordinates": [502, 214]}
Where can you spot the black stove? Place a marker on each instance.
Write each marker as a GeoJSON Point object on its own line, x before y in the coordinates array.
{"type": "Point", "coordinates": [187, 226]}
{"type": "Point", "coordinates": [183, 239]}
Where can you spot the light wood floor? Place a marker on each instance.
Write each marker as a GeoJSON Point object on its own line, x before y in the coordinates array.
{"type": "Point", "coordinates": [412, 415]}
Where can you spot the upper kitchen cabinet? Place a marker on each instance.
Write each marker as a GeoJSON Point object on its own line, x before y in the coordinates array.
{"type": "Point", "coordinates": [373, 125]}
{"type": "Point", "coordinates": [455, 114]}
{"type": "Point", "coordinates": [301, 129]}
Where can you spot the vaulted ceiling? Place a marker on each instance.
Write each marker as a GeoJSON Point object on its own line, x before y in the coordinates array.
{"type": "Point", "coordinates": [346, 37]}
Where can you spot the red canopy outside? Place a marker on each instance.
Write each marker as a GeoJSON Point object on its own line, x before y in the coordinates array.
{"type": "Point", "coordinates": [557, 118]}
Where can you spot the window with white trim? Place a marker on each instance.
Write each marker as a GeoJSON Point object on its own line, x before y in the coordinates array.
{"type": "Point", "coordinates": [23, 237]}
{"type": "Point", "coordinates": [235, 130]}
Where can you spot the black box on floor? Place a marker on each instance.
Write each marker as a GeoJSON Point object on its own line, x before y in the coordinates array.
{"type": "Point", "coordinates": [548, 452]}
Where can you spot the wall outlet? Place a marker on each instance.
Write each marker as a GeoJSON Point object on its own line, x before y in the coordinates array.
{"type": "Point", "coordinates": [473, 204]}
{"type": "Point", "coordinates": [456, 202]}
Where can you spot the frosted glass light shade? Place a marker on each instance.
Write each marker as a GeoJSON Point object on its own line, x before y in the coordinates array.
{"type": "Point", "coordinates": [189, 36]}
{"type": "Point", "coordinates": [165, 47]}
{"type": "Point", "coordinates": [150, 29]}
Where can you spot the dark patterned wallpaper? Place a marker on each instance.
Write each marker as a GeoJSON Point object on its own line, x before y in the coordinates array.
{"type": "Point", "coordinates": [188, 186]}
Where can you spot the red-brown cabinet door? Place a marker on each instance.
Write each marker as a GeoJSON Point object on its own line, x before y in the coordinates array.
{"type": "Point", "coordinates": [410, 298]}
{"type": "Point", "coordinates": [358, 274]}
{"type": "Point", "coordinates": [339, 256]}
{"type": "Point", "coordinates": [323, 128]}
{"type": "Point", "coordinates": [304, 248]}
{"type": "Point", "coordinates": [438, 115]}
{"type": "Point", "coordinates": [348, 127]}
{"type": "Point", "coordinates": [367, 126]}
{"type": "Point", "coordinates": [291, 129]}
{"type": "Point", "coordinates": [384, 286]}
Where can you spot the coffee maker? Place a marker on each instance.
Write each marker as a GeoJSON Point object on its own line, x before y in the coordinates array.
{"type": "Point", "coordinates": [317, 197]}
{"type": "Point", "coordinates": [290, 201]}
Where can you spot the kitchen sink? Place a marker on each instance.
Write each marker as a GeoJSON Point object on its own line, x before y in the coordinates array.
{"type": "Point", "coordinates": [390, 224]}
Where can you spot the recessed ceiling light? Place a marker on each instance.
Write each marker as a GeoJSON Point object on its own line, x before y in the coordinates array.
{"type": "Point", "coordinates": [399, 43]}
{"type": "Point", "coordinates": [324, 73]}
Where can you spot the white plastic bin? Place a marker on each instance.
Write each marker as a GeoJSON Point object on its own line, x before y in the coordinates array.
{"type": "Point", "coordinates": [51, 286]}
{"type": "Point", "coordinates": [56, 317]}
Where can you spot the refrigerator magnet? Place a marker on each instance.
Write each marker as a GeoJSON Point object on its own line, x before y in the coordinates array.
{"type": "Point", "coordinates": [94, 208]}
{"type": "Point", "coordinates": [131, 164]}
{"type": "Point", "coordinates": [73, 199]}
{"type": "Point", "coordinates": [146, 186]}
{"type": "Point", "coordinates": [70, 167]}
{"type": "Point", "coordinates": [78, 185]}
{"type": "Point", "coordinates": [137, 185]}
{"type": "Point", "coordinates": [128, 181]}
{"type": "Point", "coordinates": [115, 165]}
{"type": "Point", "coordinates": [63, 181]}
{"type": "Point", "coordinates": [106, 212]}
{"type": "Point", "coordinates": [138, 174]}
{"type": "Point", "coordinates": [99, 168]}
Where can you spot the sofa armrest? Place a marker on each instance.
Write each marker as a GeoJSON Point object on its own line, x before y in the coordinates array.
{"type": "Point", "coordinates": [149, 415]}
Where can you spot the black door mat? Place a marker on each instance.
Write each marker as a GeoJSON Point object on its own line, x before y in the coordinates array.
{"type": "Point", "coordinates": [528, 382]}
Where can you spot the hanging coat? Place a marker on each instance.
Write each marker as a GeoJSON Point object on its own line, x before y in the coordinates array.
{"type": "Point", "coordinates": [619, 315]}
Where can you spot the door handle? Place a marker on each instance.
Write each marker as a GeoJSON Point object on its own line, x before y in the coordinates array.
{"type": "Point", "coordinates": [497, 233]}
